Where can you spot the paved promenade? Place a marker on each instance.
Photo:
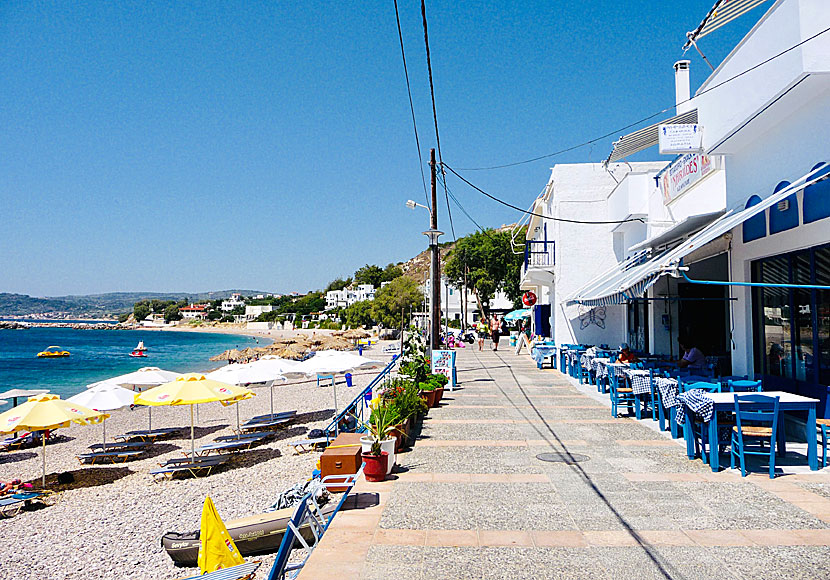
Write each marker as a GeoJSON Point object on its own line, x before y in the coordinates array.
{"type": "Point", "coordinates": [473, 500]}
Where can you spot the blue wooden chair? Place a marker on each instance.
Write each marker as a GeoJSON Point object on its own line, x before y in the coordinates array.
{"type": "Point", "coordinates": [700, 432]}
{"type": "Point", "coordinates": [756, 419]}
{"type": "Point", "coordinates": [744, 386]}
{"type": "Point", "coordinates": [823, 425]}
{"type": "Point", "coordinates": [620, 395]}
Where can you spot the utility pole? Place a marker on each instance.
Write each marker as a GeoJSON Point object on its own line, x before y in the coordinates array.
{"type": "Point", "coordinates": [435, 283]}
{"type": "Point", "coordinates": [465, 310]}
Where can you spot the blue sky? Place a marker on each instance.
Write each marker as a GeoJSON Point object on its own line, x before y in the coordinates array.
{"type": "Point", "coordinates": [151, 146]}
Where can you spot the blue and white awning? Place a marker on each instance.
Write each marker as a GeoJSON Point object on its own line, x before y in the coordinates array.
{"type": "Point", "coordinates": [633, 277]}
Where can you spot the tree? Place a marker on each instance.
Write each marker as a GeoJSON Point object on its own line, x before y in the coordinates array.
{"type": "Point", "coordinates": [369, 274]}
{"type": "Point", "coordinates": [402, 293]}
{"type": "Point", "coordinates": [311, 302]}
{"type": "Point", "coordinates": [490, 262]}
{"type": "Point", "coordinates": [171, 312]}
{"type": "Point", "coordinates": [390, 273]}
{"type": "Point", "coordinates": [337, 284]}
{"type": "Point", "coordinates": [141, 311]}
{"type": "Point", "coordinates": [359, 314]}
{"type": "Point", "coordinates": [238, 311]}
{"type": "Point", "coordinates": [214, 315]}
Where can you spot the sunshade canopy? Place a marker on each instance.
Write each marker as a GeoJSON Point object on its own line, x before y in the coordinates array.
{"type": "Point", "coordinates": [104, 397]}
{"type": "Point", "coordinates": [333, 362]}
{"type": "Point", "coordinates": [192, 389]}
{"type": "Point", "coordinates": [518, 314]}
{"type": "Point", "coordinates": [47, 412]}
{"type": "Point", "coordinates": [142, 378]}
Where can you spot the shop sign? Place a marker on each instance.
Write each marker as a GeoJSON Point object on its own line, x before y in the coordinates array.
{"type": "Point", "coordinates": [683, 174]}
{"type": "Point", "coordinates": [679, 138]}
{"type": "Point", "coordinates": [443, 363]}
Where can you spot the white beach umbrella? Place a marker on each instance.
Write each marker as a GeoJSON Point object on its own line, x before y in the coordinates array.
{"type": "Point", "coordinates": [141, 380]}
{"type": "Point", "coordinates": [332, 362]}
{"type": "Point", "coordinates": [104, 397]}
{"type": "Point", "coordinates": [15, 394]}
{"type": "Point", "coordinates": [246, 374]}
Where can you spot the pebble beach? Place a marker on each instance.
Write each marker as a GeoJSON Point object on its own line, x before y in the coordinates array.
{"type": "Point", "coordinates": [108, 523]}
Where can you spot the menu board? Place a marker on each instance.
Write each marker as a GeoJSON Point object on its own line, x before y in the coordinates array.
{"type": "Point", "coordinates": [443, 363]}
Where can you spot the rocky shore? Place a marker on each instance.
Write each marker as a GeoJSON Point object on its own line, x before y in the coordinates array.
{"type": "Point", "coordinates": [108, 523]}
{"type": "Point", "coordinates": [17, 325]}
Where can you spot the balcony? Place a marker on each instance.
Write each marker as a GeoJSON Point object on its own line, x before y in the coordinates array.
{"type": "Point", "coordinates": [538, 254]}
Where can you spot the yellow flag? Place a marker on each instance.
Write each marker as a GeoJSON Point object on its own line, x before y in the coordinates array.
{"type": "Point", "coordinates": [216, 548]}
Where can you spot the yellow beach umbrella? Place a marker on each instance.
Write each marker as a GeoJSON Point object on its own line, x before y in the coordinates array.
{"type": "Point", "coordinates": [216, 547]}
{"type": "Point", "coordinates": [193, 389]}
{"type": "Point", "coordinates": [47, 412]}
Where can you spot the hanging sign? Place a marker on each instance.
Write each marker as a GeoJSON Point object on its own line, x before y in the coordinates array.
{"type": "Point", "coordinates": [443, 363]}
{"type": "Point", "coordinates": [679, 138]}
{"type": "Point", "coordinates": [529, 299]}
{"type": "Point", "coordinates": [683, 174]}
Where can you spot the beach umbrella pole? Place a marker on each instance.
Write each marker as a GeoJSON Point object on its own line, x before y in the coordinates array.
{"type": "Point", "coordinates": [43, 481]}
{"type": "Point", "coordinates": [150, 417]}
{"type": "Point", "coordinates": [272, 398]}
{"type": "Point", "coordinates": [104, 423]}
{"type": "Point", "coordinates": [192, 437]}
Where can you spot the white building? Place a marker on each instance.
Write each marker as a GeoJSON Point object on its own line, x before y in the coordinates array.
{"type": "Point", "coordinates": [748, 207]}
{"type": "Point", "coordinates": [253, 312]}
{"type": "Point", "coordinates": [194, 312]}
{"type": "Point", "coordinates": [348, 296]}
{"type": "Point", "coordinates": [235, 301]}
{"type": "Point", "coordinates": [452, 299]}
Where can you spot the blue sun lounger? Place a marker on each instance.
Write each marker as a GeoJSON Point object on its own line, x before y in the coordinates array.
{"type": "Point", "coordinates": [255, 437]}
{"type": "Point", "coordinates": [241, 572]}
{"type": "Point", "coordinates": [11, 505]}
{"type": "Point", "coordinates": [123, 456]}
{"type": "Point", "coordinates": [120, 446]}
{"type": "Point", "coordinates": [193, 465]}
{"type": "Point", "coordinates": [273, 416]}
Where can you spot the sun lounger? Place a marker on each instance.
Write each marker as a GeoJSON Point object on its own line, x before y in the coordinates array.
{"type": "Point", "coordinates": [273, 416]}
{"type": "Point", "coordinates": [122, 456]}
{"type": "Point", "coordinates": [11, 505]}
{"type": "Point", "coordinates": [394, 348]}
{"type": "Point", "coordinates": [120, 446]}
{"type": "Point", "coordinates": [305, 445]}
{"type": "Point", "coordinates": [194, 466]}
{"type": "Point", "coordinates": [253, 426]}
{"type": "Point", "coordinates": [15, 442]}
{"type": "Point", "coordinates": [148, 435]}
{"type": "Point", "coordinates": [255, 436]}
{"type": "Point", "coordinates": [241, 572]}
{"type": "Point", "coordinates": [233, 446]}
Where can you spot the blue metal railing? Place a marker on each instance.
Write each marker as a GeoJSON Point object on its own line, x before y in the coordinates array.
{"type": "Point", "coordinates": [538, 253]}
{"type": "Point", "coordinates": [356, 407]}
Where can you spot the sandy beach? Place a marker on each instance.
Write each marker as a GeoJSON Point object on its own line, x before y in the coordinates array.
{"type": "Point", "coordinates": [108, 523]}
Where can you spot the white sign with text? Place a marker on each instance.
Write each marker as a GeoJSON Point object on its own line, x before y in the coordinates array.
{"type": "Point", "coordinates": [680, 138]}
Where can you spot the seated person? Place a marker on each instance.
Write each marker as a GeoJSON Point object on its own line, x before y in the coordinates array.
{"type": "Point", "coordinates": [626, 356]}
{"type": "Point", "coordinates": [692, 357]}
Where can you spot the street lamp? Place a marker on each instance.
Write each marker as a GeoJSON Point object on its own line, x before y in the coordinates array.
{"type": "Point", "coordinates": [435, 285]}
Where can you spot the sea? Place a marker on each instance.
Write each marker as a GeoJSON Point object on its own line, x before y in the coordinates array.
{"type": "Point", "coordinates": [100, 354]}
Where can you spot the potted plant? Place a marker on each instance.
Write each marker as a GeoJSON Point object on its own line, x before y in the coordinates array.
{"type": "Point", "coordinates": [378, 442]}
{"type": "Point", "coordinates": [403, 395]}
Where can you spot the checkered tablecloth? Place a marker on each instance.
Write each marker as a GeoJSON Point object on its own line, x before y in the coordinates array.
{"type": "Point", "coordinates": [698, 401]}
{"type": "Point", "coordinates": [540, 353]}
{"type": "Point", "coordinates": [668, 391]}
{"type": "Point", "coordinates": [640, 381]}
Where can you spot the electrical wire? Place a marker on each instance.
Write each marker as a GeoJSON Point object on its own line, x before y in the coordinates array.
{"type": "Point", "coordinates": [463, 210]}
{"type": "Point", "coordinates": [648, 118]}
{"type": "Point", "coordinates": [524, 211]}
{"type": "Point", "coordinates": [411, 106]}
{"type": "Point", "coordinates": [435, 113]}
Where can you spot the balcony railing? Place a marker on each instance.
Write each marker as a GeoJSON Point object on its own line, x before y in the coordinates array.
{"type": "Point", "coordinates": [538, 254]}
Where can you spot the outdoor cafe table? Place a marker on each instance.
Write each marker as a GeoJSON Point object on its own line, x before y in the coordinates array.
{"type": "Point", "coordinates": [540, 352]}
{"type": "Point", "coordinates": [725, 402]}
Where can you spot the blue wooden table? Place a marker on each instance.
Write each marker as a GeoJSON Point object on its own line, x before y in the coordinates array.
{"type": "Point", "coordinates": [725, 402]}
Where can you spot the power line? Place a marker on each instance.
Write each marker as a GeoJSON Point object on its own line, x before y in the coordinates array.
{"type": "Point", "coordinates": [411, 106]}
{"type": "Point", "coordinates": [644, 119]}
{"type": "Point", "coordinates": [461, 207]}
{"type": "Point", "coordinates": [435, 113]}
{"type": "Point", "coordinates": [524, 211]}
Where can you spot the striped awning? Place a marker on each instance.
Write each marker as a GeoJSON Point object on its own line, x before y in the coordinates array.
{"type": "Point", "coordinates": [723, 12]}
{"type": "Point", "coordinates": [633, 277]}
{"type": "Point", "coordinates": [646, 137]}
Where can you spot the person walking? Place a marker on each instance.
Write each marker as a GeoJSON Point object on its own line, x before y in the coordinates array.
{"type": "Point", "coordinates": [495, 329]}
{"type": "Point", "coordinates": [483, 331]}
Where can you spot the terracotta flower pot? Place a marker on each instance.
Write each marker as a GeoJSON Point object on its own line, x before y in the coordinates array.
{"type": "Point", "coordinates": [375, 468]}
{"type": "Point", "coordinates": [400, 436]}
{"type": "Point", "coordinates": [431, 398]}
{"type": "Point", "coordinates": [440, 391]}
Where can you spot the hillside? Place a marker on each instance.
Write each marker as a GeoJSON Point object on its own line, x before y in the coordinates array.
{"type": "Point", "coordinates": [95, 305]}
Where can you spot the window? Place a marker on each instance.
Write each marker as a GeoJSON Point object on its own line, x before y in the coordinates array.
{"type": "Point", "coordinates": [792, 325]}
{"type": "Point", "coordinates": [638, 325]}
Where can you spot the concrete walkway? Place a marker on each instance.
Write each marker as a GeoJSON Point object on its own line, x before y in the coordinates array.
{"type": "Point", "coordinates": [473, 501]}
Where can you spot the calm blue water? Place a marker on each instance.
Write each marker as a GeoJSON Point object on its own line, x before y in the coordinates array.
{"type": "Point", "coordinates": [101, 354]}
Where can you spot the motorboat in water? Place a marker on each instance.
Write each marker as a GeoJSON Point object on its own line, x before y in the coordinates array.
{"type": "Point", "coordinates": [138, 354]}
{"type": "Point", "coordinates": [257, 534]}
{"type": "Point", "coordinates": [53, 352]}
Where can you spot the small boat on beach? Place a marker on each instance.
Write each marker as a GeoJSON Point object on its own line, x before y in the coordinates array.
{"type": "Point", "coordinates": [53, 352]}
{"type": "Point", "coordinates": [138, 354]}
{"type": "Point", "coordinates": [140, 346]}
{"type": "Point", "coordinates": [257, 534]}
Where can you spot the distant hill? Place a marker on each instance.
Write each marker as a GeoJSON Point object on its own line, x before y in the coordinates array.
{"type": "Point", "coordinates": [96, 305]}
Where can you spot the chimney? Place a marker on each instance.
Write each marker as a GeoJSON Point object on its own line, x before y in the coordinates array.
{"type": "Point", "coordinates": [682, 91]}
